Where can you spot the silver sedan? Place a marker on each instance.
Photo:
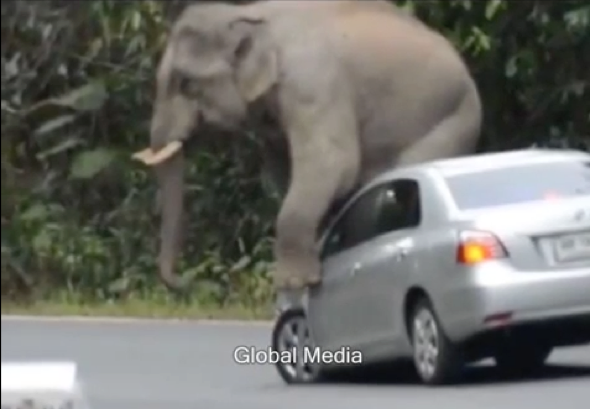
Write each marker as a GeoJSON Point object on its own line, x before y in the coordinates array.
{"type": "Point", "coordinates": [447, 263]}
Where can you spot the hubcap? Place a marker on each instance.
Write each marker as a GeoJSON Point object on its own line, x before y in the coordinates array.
{"type": "Point", "coordinates": [295, 336]}
{"type": "Point", "coordinates": [426, 343]}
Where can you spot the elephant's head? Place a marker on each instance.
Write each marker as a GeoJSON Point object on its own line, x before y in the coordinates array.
{"type": "Point", "coordinates": [216, 62]}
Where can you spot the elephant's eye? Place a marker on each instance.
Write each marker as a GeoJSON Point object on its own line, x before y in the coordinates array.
{"type": "Point", "coordinates": [189, 87]}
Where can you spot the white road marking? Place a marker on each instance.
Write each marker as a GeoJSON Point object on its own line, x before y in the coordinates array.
{"type": "Point", "coordinates": [129, 320]}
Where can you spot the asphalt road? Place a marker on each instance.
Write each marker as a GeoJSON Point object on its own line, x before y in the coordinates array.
{"type": "Point", "coordinates": [182, 365]}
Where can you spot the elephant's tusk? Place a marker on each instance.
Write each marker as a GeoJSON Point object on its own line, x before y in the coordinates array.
{"type": "Point", "coordinates": [143, 155]}
{"type": "Point", "coordinates": [148, 157]}
{"type": "Point", "coordinates": [164, 153]}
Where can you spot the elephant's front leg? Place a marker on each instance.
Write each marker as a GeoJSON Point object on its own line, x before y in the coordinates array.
{"type": "Point", "coordinates": [325, 162]}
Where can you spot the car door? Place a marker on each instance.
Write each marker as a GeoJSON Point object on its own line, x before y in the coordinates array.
{"type": "Point", "coordinates": [390, 257]}
{"type": "Point", "coordinates": [332, 319]}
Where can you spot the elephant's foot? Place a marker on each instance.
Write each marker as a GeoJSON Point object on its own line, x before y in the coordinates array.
{"type": "Point", "coordinates": [286, 279]}
{"type": "Point", "coordinates": [294, 283]}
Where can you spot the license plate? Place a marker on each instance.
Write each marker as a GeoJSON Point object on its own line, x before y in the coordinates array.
{"type": "Point", "coordinates": [573, 247]}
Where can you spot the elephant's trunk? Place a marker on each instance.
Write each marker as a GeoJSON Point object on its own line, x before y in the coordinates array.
{"type": "Point", "coordinates": [172, 123]}
{"type": "Point", "coordinates": [170, 175]}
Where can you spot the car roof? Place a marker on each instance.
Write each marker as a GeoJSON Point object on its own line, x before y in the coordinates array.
{"type": "Point", "coordinates": [468, 164]}
{"type": "Point", "coordinates": [486, 161]}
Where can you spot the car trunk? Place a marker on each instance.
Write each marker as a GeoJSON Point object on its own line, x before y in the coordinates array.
{"type": "Point", "coordinates": [545, 235]}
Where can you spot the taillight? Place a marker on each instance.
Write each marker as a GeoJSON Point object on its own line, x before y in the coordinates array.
{"type": "Point", "coordinates": [478, 246]}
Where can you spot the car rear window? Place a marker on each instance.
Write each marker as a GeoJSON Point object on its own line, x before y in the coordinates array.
{"type": "Point", "coordinates": [520, 184]}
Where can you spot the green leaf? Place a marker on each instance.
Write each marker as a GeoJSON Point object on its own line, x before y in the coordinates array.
{"type": "Point", "coordinates": [43, 241]}
{"type": "Point", "coordinates": [63, 146]}
{"type": "Point", "coordinates": [209, 290]}
{"type": "Point", "coordinates": [492, 8]}
{"type": "Point", "coordinates": [89, 97]}
{"type": "Point", "coordinates": [40, 212]}
{"type": "Point", "coordinates": [483, 40]}
{"type": "Point", "coordinates": [511, 67]}
{"type": "Point", "coordinates": [88, 164]}
{"type": "Point", "coordinates": [193, 272]}
{"type": "Point", "coordinates": [54, 124]}
{"type": "Point", "coordinates": [240, 264]}
{"type": "Point", "coordinates": [466, 4]}
{"type": "Point", "coordinates": [35, 212]}
{"type": "Point", "coordinates": [579, 18]}
{"type": "Point", "coordinates": [119, 285]}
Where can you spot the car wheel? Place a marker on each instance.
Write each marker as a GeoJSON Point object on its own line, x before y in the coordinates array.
{"type": "Point", "coordinates": [522, 359]}
{"type": "Point", "coordinates": [436, 358]}
{"type": "Point", "coordinates": [290, 336]}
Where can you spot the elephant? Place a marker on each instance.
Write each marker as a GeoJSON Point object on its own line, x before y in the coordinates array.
{"type": "Point", "coordinates": [339, 91]}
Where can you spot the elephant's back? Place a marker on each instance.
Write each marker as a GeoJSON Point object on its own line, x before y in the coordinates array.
{"type": "Point", "coordinates": [323, 7]}
{"type": "Point", "coordinates": [406, 77]}
{"type": "Point", "coordinates": [376, 43]}
{"type": "Point", "coordinates": [382, 40]}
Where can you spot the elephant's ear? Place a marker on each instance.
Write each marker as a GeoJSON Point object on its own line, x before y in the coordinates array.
{"type": "Point", "coordinates": [254, 61]}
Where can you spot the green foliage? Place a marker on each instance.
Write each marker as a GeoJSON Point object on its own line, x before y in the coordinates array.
{"type": "Point", "coordinates": [531, 60]}
{"type": "Point", "coordinates": [77, 79]}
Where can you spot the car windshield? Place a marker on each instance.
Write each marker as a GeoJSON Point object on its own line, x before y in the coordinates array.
{"type": "Point", "coordinates": [520, 184]}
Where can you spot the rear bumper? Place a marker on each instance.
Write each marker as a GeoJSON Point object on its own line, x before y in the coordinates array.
{"type": "Point", "coordinates": [562, 331]}
{"type": "Point", "coordinates": [496, 296]}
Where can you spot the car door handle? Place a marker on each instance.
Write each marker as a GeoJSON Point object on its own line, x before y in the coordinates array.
{"type": "Point", "coordinates": [401, 252]}
{"type": "Point", "coordinates": [355, 269]}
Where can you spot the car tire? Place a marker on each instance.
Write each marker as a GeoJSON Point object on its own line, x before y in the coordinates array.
{"type": "Point", "coordinates": [291, 329]}
{"type": "Point", "coordinates": [436, 359]}
{"type": "Point", "coordinates": [522, 360]}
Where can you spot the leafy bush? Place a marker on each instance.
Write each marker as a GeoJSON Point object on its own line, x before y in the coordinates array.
{"type": "Point", "coordinates": [77, 78]}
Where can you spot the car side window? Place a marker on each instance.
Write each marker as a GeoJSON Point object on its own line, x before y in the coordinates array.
{"type": "Point", "coordinates": [388, 207]}
{"type": "Point", "coordinates": [400, 206]}
{"type": "Point", "coordinates": [355, 225]}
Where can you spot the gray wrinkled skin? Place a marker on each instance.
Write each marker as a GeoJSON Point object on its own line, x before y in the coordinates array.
{"type": "Point", "coordinates": [346, 89]}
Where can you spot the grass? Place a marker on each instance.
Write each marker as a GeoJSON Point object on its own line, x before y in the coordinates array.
{"type": "Point", "coordinates": [136, 306]}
